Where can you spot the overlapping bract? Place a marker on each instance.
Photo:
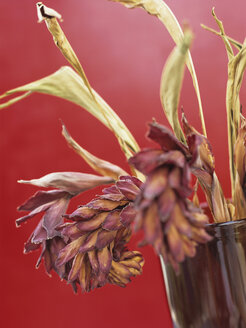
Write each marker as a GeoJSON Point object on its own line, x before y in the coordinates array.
{"type": "Point", "coordinates": [53, 203]}
{"type": "Point", "coordinates": [97, 237]}
{"type": "Point", "coordinates": [172, 224]}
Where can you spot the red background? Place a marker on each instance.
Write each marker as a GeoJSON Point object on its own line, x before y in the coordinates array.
{"type": "Point", "coordinates": [123, 52]}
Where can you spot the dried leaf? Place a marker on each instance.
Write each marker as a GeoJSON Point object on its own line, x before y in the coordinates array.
{"type": "Point", "coordinates": [239, 200]}
{"type": "Point", "coordinates": [235, 43]}
{"type": "Point", "coordinates": [46, 12]}
{"type": "Point", "coordinates": [171, 82]}
{"type": "Point", "coordinates": [72, 182]}
{"type": "Point", "coordinates": [103, 167]}
{"type": "Point", "coordinates": [236, 68]}
{"type": "Point", "coordinates": [160, 9]}
{"type": "Point", "coordinates": [67, 84]}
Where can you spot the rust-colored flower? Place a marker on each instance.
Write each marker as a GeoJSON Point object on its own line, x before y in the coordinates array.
{"type": "Point", "coordinates": [171, 223]}
{"type": "Point", "coordinates": [53, 204]}
{"type": "Point", "coordinates": [97, 238]}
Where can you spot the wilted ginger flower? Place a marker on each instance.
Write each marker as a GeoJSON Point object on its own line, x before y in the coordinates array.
{"type": "Point", "coordinates": [53, 203]}
{"type": "Point", "coordinates": [97, 238]}
{"type": "Point", "coordinates": [171, 223]}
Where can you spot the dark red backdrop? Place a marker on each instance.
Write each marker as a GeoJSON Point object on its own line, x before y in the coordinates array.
{"type": "Point", "coordinates": [123, 52]}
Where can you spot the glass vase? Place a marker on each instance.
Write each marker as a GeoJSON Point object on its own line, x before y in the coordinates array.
{"type": "Point", "coordinates": [210, 289]}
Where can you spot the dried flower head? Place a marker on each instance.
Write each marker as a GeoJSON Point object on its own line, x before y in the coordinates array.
{"type": "Point", "coordinates": [53, 203]}
{"type": "Point", "coordinates": [171, 223]}
{"type": "Point", "coordinates": [97, 237]}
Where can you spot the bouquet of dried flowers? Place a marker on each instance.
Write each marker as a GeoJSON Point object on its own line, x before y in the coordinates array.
{"type": "Point", "coordinates": [88, 248]}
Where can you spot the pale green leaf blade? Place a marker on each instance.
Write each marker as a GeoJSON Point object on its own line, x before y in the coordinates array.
{"type": "Point", "coordinates": [67, 84]}
{"type": "Point", "coordinates": [171, 83]}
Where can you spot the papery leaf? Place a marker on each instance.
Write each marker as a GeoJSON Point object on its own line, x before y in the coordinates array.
{"type": "Point", "coordinates": [229, 50]}
{"type": "Point", "coordinates": [239, 198]}
{"type": "Point", "coordinates": [67, 84]}
{"type": "Point", "coordinates": [72, 182]}
{"type": "Point", "coordinates": [171, 82]}
{"type": "Point", "coordinates": [205, 155]}
{"type": "Point", "coordinates": [236, 68]}
{"type": "Point", "coordinates": [101, 166]}
{"type": "Point", "coordinates": [45, 12]}
{"type": "Point", "coordinates": [66, 49]}
{"type": "Point", "coordinates": [240, 151]}
{"type": "Point", "coordinates": [236, 44]}
{"type": "Point", "coordinates": [220, 210]}
{"type": "Point", "coordinates": [160, 9]}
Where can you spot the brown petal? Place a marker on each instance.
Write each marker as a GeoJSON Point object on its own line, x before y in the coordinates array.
{"type": "Point", "coordinates": [41, 198]}
{"type": "Point", "coordinates": [105, 205]}
{"type": "Point", "coordinates": [104, 238]}
{"type": "Point", "coordinates": [181, 223]}
{"type": "Point", "coordinates": [39, 234]}
{"type": "Point", "coordinates": [85, 275]}
{"type": "Point", "coordinates": [90, 242]}
{"type": "Point", "coordinates": [70, 250]}
{"type": "Point", "coordinates": [121, 270]}
{"type": "Point", "coordinates": [165, 138]}
{"type": "Point", "coordinates": [155, 183]}
{"type": "Point", "coordinates": [175, 244]}
{"type": "Point", "coordinates": [93, 223]}
{"type": "Point", "coordinates": [128, 189]}
{"type": "Point", "coordinates": [83, 212]}
{"type": "Point", "coordinates": [113, 197]}
{"type": "Point", "coordinates": [146, 160]}
{"type": "Point", "coordinates": [104, 259]}
{"type": "Point", "coordinates": [70, 230]}
{"type": "Point", "coordinates": [135, 180]}
{"type": "Point", "coordinates": [93, 258]}
{"type": "Point", "coordinates": [36, 211]}
{"type": "Point", "coordinates": [111, 190]}
{"type": "Point", "coordinates": [166, 202]}
{"type": "Point", "coordinates": [128, 215]}
{"type": "Point", "coordinates": [112, 221]}
{"type": "Point", "coordinates": [151, 223]}
{"type": "Point", "coordinates": [76, 266]}
{"type": "Point", "coordinates": [53, 216]}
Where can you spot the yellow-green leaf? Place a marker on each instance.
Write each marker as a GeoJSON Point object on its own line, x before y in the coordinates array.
{"type": "Point", "coordinates": [161, 10]}
{"type": "Point", "coordinates": [67, 84]}
{"type": "Point", "coordinates": [171, 82]}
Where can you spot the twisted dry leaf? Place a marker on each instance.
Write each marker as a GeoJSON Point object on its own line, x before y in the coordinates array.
{"type": "Point", "coordinates": [101, 166]}
{"type": "Point", "coordinates": [236, 68]}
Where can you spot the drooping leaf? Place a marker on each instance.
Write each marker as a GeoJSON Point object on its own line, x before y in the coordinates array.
{"type": "Point", "coordinates": [171, 82]}
{"type": "Point", "coordinates": [99, 165]}
{"type": "Point", "coordinates": [67, 84]}
{"type": "Point", "coordinates": [236, 68]}
{"type": "Point", "coordinates": [161, 10]}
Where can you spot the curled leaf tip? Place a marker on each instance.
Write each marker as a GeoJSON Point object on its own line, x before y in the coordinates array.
{"type": "Point", "coordinates": [45, 12]}
{"type": "Point", "coordinates": [24, 181]}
